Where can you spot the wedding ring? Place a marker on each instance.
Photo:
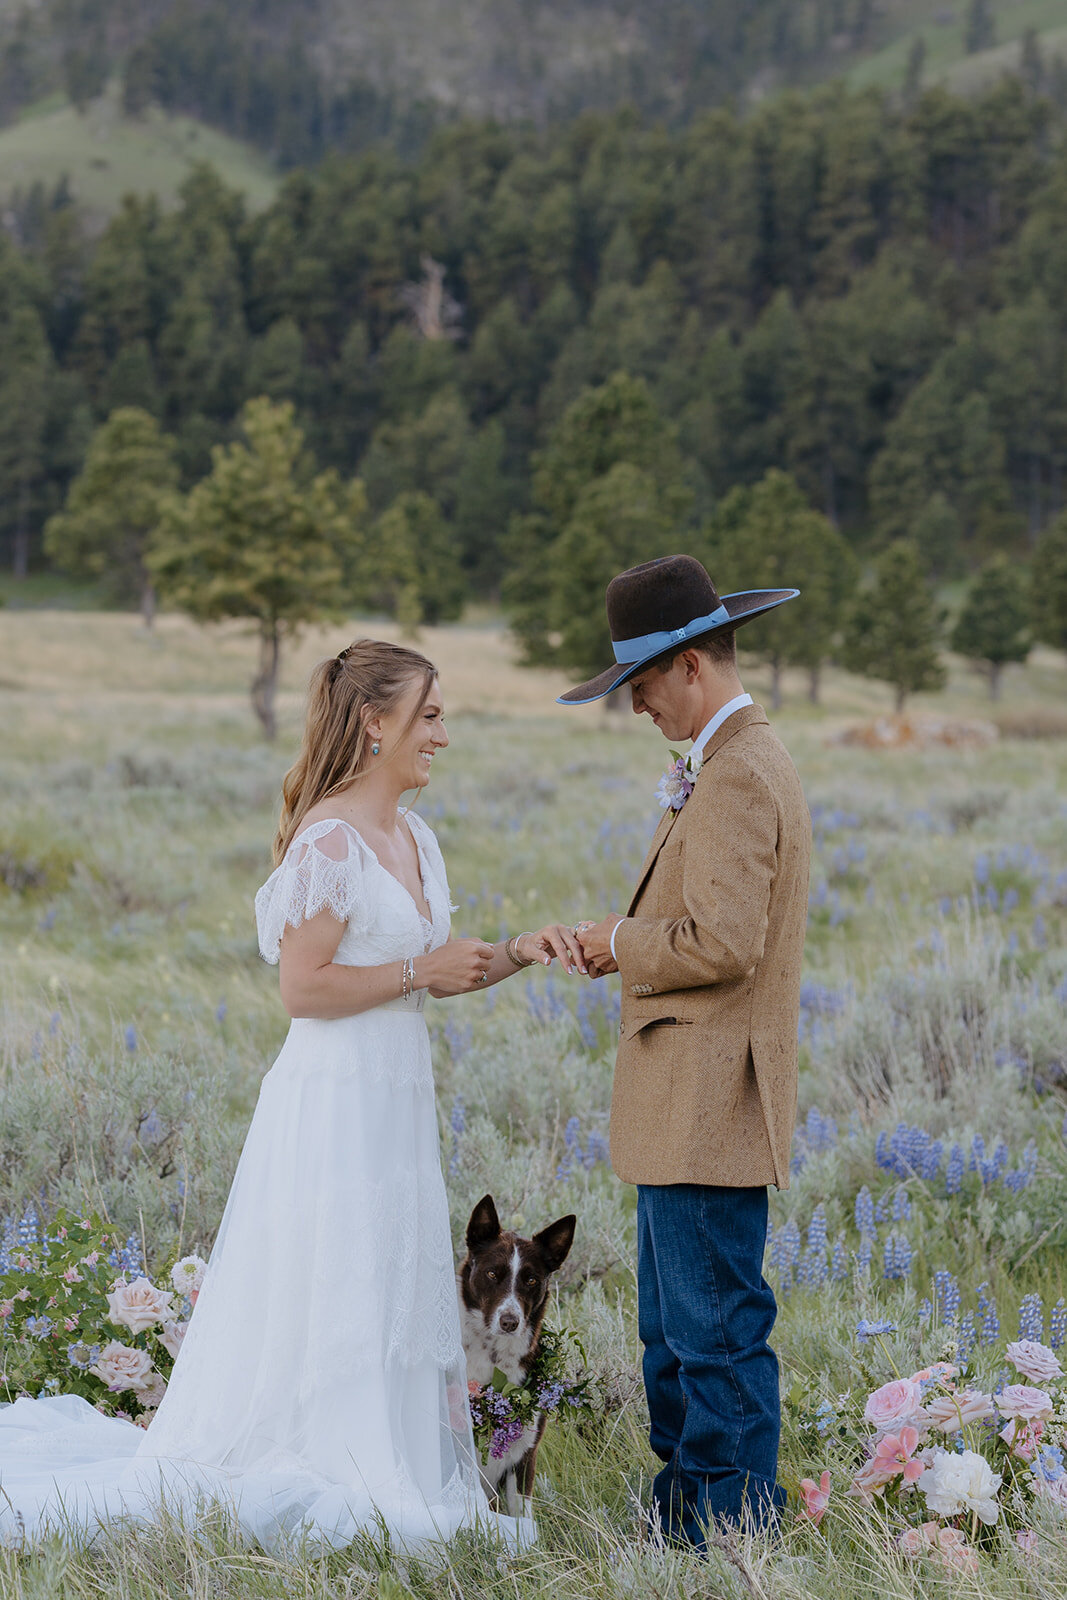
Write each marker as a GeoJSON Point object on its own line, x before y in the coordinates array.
{"type": "Point", "coordinates": [483, 977]}
{"type": "Point", "coordinates": [580, 927]}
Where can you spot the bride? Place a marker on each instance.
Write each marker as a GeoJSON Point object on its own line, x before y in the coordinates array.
{"type": "Point", "coordinates": [321, 1385]}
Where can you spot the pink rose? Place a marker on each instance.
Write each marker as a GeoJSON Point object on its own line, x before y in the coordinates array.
{"type": "Point", "coordinates": [171, 1336]}
{"type": "Point", "coordinates": [139, 1305]}
{"type": "Point", "coordinates": [121, 1366]}
{"type": "Point", "coordinates": [893, 1405]}
{"type": "Point", "coordinates": [1030, 1405]}
{"type": "Point", "coordinates": [948, 1413]}
{"type": "Point", "coordinates": [953, 1551]}
{"type": "Point", "coordinates": [1035, 1361]}
{"type": "Point", "coordinates": [814, 1497]}
{"type": "Point", "coordinates": [1022, 1438]}
{"type": "Point", "coordinates": [947, 1546]}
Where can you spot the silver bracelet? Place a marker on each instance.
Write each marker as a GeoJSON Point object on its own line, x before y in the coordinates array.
{"type": "Point", "coordinates": [512, 952]}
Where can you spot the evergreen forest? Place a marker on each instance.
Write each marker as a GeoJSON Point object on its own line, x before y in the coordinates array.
{"type": "Point", "coordinates": [865, 293]}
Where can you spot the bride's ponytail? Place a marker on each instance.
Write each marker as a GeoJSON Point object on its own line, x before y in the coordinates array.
{"type": "Point", "coordinates": [367, 678]}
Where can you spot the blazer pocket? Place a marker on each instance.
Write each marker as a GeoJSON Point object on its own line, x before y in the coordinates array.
{"type": "Point", "coordinates": [632, 1029]}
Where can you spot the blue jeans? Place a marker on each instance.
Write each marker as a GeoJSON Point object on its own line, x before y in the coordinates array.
{"type": "Point", "coordinates": [705, 1314]}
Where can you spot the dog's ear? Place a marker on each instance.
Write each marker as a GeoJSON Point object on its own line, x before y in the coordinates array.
{"type": "Point", "coordinates": [554, 1242]}
{"type": "Point", "coordinates": [484, 1224]}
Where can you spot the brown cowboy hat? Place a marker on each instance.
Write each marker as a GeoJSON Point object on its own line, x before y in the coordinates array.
{"type": "Point", "coordinates": [660, 605]}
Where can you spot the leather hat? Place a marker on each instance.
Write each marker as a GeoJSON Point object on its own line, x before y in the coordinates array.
{"type": "Point", "coordinates": [660, 605]}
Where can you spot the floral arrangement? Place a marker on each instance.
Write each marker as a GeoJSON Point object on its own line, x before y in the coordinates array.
{"type": "Point", "coordinates": [78, 1315]}
{"type": "Point", "coordinates": [501, 1410]}
{"type": "Point", "coordinates": [679, 780]}
{"type": "Point", "coordinates": [952, 1469]}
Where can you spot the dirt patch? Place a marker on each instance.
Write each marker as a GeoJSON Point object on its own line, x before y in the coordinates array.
{"type": "Point", "coordinates": [918, 733]}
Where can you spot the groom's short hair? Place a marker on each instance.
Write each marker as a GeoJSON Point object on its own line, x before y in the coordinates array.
{"type": "Point", "coordinates": [720, 649]}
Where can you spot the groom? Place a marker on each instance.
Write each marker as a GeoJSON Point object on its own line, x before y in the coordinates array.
{"type": "Point", "coordinates": [705, 1080]}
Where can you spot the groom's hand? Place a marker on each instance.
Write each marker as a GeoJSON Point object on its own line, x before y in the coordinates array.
{"type": "Point", "coordinates": [596, 945]}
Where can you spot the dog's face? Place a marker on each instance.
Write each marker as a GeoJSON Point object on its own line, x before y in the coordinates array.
{"type": "Point", "coordinates": [505, 1278]}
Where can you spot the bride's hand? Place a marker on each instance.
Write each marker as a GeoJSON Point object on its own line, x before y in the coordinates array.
{"type": "Point", "coordinates": [457, 967]}
{"type": "Point", "coordinates": [555, 940]}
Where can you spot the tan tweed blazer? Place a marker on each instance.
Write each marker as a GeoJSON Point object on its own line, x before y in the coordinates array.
{"type": "Point", "coordinates": [706, 1074]}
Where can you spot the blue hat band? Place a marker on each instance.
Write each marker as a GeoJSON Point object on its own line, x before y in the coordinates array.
{"type": "Point", "coordinates": [653, 644]}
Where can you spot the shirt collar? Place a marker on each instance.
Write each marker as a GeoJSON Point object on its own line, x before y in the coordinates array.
{"type": "Point", "coordinates": [703, 739]}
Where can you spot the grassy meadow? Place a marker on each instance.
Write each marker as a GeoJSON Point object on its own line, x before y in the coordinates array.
{"type": "Point", "coordinates": [105, 154]}
{"type": "Point", "coordinates": [137, 804]}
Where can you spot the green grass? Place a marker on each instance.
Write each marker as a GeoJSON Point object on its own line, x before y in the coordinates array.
{"type": "Point", "coordinates": [105, 154]}
{"type": "Point", "coordinates": [947, 60]}
{"type": "Point", "coordinates": [136, 808]}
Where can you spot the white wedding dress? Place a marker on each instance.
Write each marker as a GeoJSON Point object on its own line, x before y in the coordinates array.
{"type": "Point", "coordinates": [321, 1387]}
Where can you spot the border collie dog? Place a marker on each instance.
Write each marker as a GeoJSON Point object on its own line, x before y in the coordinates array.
{"type": "Point", "coordinates": [503, 1294]}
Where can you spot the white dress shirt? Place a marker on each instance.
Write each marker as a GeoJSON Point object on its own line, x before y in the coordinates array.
{"type": "Point", "coordinates": [701, 742]}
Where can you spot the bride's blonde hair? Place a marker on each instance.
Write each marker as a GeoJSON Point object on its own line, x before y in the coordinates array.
{"type": "Point", "coordinates": [369, 678]}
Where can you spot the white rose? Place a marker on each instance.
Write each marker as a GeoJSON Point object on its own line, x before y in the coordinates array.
{"type": "Point", "coordinates": [1035, 1361]}
{"type": "Point", "coordinates": [139, 1305]}
{"type": "Point", "coordinates": [959, 1483]}
{"type": "Point", "coordinates": [171, 1336]}
{"type": "Point", "coordinates": [122, 1367]}
{"type": "Point", "coordinates": [187, 1274]}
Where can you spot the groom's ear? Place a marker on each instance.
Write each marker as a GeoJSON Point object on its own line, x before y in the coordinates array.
{"type": "Point", "coordinates": [484, 1224]}
{"type": "Point", "coordinates": [554, 1242]}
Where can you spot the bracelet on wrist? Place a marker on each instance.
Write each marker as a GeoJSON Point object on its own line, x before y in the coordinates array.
{"type": "Point", "coordinates": [511, 950]}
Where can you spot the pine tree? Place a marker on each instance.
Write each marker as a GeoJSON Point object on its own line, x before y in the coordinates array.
{"type": "Point", "coordinates": [980, 30]}
{"type": "Point", "coordinates": [259, 539]}
{"type": "Point", "coordinates": [992, 626]}
{"type": "Point", "coordinates": [1048, 585]}
{"type": "Point", "coordinates": [913, 72]}
{"type": "Point", "coordinates": [410, 567]}
{"type": "Point", "coordinates": [769, 537]}
{"type": "Point", "coordinates": [114, 506]}
{"type": "Point", "coordinates": [895, 627]}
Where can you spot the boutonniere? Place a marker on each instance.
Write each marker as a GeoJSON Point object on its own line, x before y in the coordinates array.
{"type": "Point", "coordinates": [677, 783]}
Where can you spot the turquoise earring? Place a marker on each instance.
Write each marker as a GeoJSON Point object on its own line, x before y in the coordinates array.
{"type": "Point", "coordinates": [375, 748]}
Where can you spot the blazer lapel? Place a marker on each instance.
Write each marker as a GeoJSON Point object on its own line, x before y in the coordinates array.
{"type": "Point", "coordinates": [723, 735]}
{"type": "Point", "coordinates": [659, 838]}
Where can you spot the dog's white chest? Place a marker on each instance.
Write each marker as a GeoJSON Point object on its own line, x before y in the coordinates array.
{"type": "Point", "coordinates": [486, 1350]}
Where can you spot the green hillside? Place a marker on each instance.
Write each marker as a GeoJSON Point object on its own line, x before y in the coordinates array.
{"type": "Point", "coordinates": [105, 154]}
{"type": "Point", "coordinates": [943, 29]}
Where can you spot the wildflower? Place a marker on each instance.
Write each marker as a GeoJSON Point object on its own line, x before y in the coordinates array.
{"type": "Point", "coordinates": [961, 1482]}
{"type": "Point", "coordinates": [187, 1275]}
{"type": "Point", "coordinates": [814, 1497]}
{"type": "Point", "coordinates": [894, 1457]}
{"type": "Point", "coordinates": [1031, 1319]}
{"type": "Point", "coordinates": [39, 1327]}
{"type": "Point", "coordinates": [872, 1330]}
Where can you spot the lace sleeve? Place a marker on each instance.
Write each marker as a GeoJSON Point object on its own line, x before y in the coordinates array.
{"type": "Point", "coordinates": [322, 871]}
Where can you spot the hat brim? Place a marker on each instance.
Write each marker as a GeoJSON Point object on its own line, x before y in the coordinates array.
{"type": "Point", "coordinates": [743, 607]}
